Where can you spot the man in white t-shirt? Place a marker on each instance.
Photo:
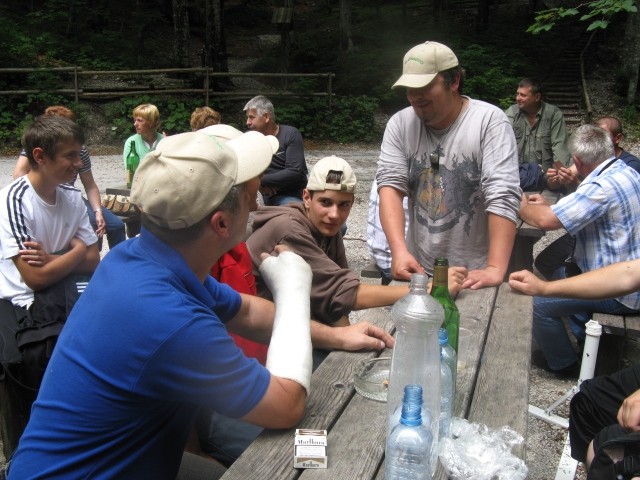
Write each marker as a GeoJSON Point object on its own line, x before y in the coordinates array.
{"type": "Point", "coordinates": [46, 244]}
{"type": "Point", "coordinates": [45, 233]}
{"type": "Point", "coordinates": [456, 160]}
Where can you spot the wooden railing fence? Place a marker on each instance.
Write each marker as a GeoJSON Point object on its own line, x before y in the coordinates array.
{"type": "Point", "coordinates": [141, 82]}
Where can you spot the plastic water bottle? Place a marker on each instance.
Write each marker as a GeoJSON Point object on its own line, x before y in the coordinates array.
{"type": "Point", "coordinates": [412, 394]}
{"type": "Point", "coordinates": [408, 453]}
{"type": "Point", "coordinates": [446, 400]}
{"type": "Point", "coordinates": [449, 356]}
{"type": "Point", "coordinates": [416, 355]}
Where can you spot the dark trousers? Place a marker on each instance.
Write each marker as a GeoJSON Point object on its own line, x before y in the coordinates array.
{"type": "Point", "coordinates": [554, 255]}
{"type": "Point", "coordinates": [596, 406]}
{"type": "Point", "coordinates": [194, 467]}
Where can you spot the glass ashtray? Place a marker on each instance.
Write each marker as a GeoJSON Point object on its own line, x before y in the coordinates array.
{"type": "Point", "coordinates": [372, 378]}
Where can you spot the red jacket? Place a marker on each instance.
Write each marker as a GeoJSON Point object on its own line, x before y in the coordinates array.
{"type": "Point", "coordinates": [235, 269]}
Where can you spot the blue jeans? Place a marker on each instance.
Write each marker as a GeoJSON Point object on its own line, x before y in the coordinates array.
{"type": "Point", "coordinates": [550, 333]}
{"type": "Point", "coordinates": [280, 200]}
{"type": "Point", "coordinates": [226, 438]}
{"type": "Point", "coordinates": [115, 227]}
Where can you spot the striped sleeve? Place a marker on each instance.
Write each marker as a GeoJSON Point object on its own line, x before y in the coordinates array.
{"type": "Point", "coordinates": [16, 214]}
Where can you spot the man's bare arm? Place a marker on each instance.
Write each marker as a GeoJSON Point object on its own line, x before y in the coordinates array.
{"type": "Point", "coordinates": [40, 269]}
{"type": "Point", "coordinates": [392, 219]}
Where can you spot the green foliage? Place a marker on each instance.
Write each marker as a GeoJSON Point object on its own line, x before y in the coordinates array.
{"type": "Point", "coordinates": [352, 120]}
{"type": "Point", "coordinates": [598, 12]}
{"type": "Point", "coordinates": [8, 130]}
{"type": "Point", "coordinates": [176, 114]}
{"type": "Point", "coordinates": [17, 112]}
{"type": "Point", "coordinates": [629, 115]}
{"type": "Point", "coordinates": [492, 75]}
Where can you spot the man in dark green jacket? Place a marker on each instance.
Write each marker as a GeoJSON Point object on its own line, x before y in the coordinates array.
{"type": "Point", "coordinates": [540, 130]}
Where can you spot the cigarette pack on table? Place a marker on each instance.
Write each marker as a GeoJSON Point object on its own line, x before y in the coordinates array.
{"type": "Point", "coordinates": [310, 449]}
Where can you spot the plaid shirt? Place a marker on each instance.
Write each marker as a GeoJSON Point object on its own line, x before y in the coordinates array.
{"type": "Point", "coordinates": [603, 214]}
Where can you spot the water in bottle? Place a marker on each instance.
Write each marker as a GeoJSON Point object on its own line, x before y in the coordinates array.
{"type": "Point", "coordinates": [449, 356]}
{"type": "Point", "coordinates": [408, 452]}
{"type": "Point", "coordinates": [446, 401]}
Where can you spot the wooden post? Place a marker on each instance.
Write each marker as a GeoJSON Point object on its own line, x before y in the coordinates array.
{"type": "Point", "coordinates": [75, 82]}
{"type": "Point", "coordinates": [329, 92]}
{"type": "Point", "coordinates": [206, 87]}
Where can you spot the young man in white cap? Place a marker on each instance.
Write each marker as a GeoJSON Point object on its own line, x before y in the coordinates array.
{"type": "Point", "coordinates": [147, 343]}
{"type": "Point", "coordinates": [456, 160]}
{"type": "Point", "coordinates": [312, 230]}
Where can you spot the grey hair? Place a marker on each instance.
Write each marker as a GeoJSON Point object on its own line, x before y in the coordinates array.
{"type": "Point", "coordinates": [591, 144]}
{"type": "Point", "coordinates": [261, 105]}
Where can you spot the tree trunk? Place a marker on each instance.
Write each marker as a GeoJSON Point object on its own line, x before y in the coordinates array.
{"type": "Point", "coordinates": [483, 16]}
{"type": "Point", "coordinates": [632, 54]}
{"type": "Point", "coordinates": [181, 33]}
{"type": "Point", "coordinates": [346, 42]}
{"type": "Point", "coordinates": [216, 44]}
{"type": "Point", "coordinates": [215, 51]}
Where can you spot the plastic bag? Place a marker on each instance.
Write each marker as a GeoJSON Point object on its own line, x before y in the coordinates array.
{"type": "Point", "coordinates": [476, 452]}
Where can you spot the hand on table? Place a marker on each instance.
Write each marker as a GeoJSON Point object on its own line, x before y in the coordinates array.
{"type": "Point", "coordinates": [526, 282]}
{"type": "Point", "coordinates": [363, 336]}
{"type": "Point", "coordinates": [487, 277]}
{"type": "Point", "coordinates": [457, 276]}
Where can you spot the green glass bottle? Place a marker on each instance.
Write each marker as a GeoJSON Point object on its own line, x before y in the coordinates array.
{"type": "Point", "coordinates": [133, 160]}
{"type": "Point", "coordinates": [440, 291]}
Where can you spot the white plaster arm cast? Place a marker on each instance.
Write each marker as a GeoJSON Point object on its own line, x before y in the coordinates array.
{"type": "Point", "coordinates": [288, 277]}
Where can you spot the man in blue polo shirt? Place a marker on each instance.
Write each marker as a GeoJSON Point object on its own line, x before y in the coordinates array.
{"type": "Point", "coordinates": [147, 345]}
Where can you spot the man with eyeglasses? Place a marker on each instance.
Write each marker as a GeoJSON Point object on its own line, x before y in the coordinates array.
{"type": "Point", "coordinates": [456, 159]}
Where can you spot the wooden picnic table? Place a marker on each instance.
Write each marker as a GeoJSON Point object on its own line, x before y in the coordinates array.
{"type": "Point", "coordinates": [492, 389]}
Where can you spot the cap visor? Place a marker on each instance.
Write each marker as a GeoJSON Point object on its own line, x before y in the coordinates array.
{"type": "Point", "coordinates": [412, 80]}
{"type": "Point", "coordinates": [254, 151]}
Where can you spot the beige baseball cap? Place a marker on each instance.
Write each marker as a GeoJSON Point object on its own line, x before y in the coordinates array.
{"type": "Point", "coordinates": [318, 175]}
{"type": "Point", "coordinates": [423, 62]}
{"type": "Point", "coordinates": [188, 175]}
{"type": "Point", "coordinates": [221, 131]}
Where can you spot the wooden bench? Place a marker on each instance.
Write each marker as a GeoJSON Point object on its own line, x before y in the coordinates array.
{"type": "Point", "coordinates": [492, 389]}
{"type": "Point", "coordinates": [615, 328]}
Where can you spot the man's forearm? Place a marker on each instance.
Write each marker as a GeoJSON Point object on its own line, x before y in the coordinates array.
{"type": "Point", "coordinates": [502, 234]}
{"type": "Point", "coordinates": [56, 268]}
{"type": "Point", "coordinates": [608, 282]}
{"type": "Point", "coordinates": [371, 296]}
{"type": "Point", "coordinates": [392, 218]}
{"type": "Point", "coordinates": [325, 336]}
{"type": "Point", "coordinates": [539, 216]}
